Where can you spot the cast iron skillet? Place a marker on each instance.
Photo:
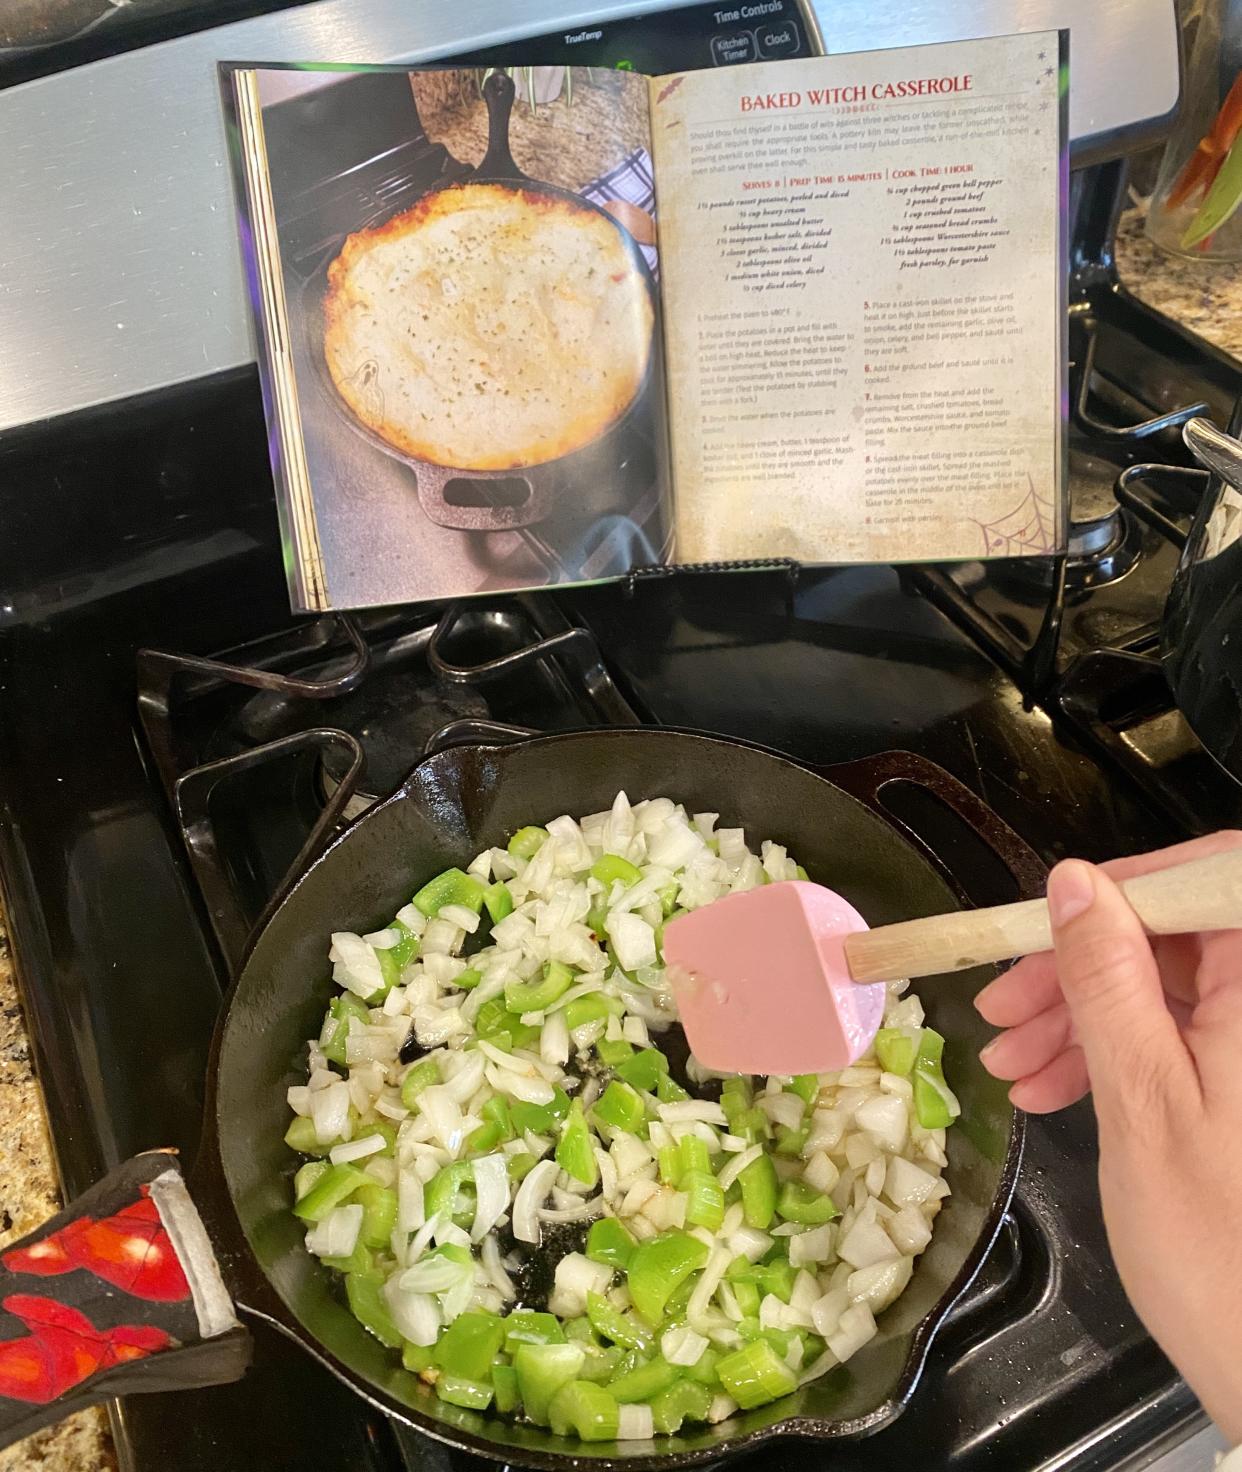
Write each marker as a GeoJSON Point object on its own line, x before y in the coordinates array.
{"type": "Point", "coordinates": [598, 464]}
{"type": "Point", "coordinates": [451, 805]}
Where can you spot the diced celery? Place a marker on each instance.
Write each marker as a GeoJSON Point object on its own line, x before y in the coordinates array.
{"type": "Point", "coordinates": [306, 1176]}
{"type": "Point", "coordinates": [806, 1086]}
{"type": "Point", "coordinates": [759, 1190]}
{"type": "Point", "coordinates": [520, 1165]}
{"type": "Point", "coordinates": [334, 1186]}
{"type": "Point", "coordinates": [586, 1409]}
{"type": "Point", "coordinates": [468, 979]}
{"type": "Point", "coordinates": [705, 1204]}
{"type": "Point", "coordinates": [527, 842]}
{"type": "Point", "coordinates": [694, 1154]}
{"type": "Point", "coordinates": [668, 1090]}
{"type": "Point", "coordinates": [644, 1381]}
{"type": "Point", "coordinates": [301, 1136]}
{"type": "Point", "coordinates": [541, 1371]}
{"type": "Point", "coordinates": [669, 1158]}
{"type": "Point", "coordinates": [620, 1328]}
{"type": "Point", "coordinates": [684, 1400]}
{"type": "Point", "coordinates": [416, 1357]}
{"type": "Point", "coordinates": [755, 1375]}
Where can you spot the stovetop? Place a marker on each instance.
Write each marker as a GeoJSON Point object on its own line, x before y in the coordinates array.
{"type": "Point", "coordinates": [140, 840]}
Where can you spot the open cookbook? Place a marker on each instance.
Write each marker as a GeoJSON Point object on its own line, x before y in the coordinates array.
{"type": "Point", "coordinates": [549, 325]}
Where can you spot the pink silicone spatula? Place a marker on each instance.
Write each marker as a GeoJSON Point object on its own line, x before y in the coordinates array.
{"type": "Point", "coordinates": [781, 979]}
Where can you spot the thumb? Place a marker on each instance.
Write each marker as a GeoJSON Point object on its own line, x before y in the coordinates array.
{"type": "Point", "coordinates": [1112, 986]}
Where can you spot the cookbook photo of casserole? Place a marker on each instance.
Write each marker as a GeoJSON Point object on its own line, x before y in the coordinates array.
{"type": "Point", "coordinates": [549, 325]}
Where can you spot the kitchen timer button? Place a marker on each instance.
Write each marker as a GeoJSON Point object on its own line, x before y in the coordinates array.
{"type": "Point", "coordinates": [731, 47]}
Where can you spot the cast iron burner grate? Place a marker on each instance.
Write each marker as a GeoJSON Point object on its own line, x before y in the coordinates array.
{"type": "Point", "coordinates": [265, 750]}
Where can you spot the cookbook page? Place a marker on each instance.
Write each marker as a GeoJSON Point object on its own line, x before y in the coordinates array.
{"type": "Point", "coordinates": [864, 292]}
{"type": "Point", "coordinates": [455, 277]}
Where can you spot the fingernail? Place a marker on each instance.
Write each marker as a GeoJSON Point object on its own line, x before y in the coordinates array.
{"type": "Point", "coordinates": [1071, 890]}
{"type": "Point", "coordinates": [987, 1048]}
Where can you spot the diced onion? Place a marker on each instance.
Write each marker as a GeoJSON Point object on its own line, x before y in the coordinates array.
{"type": "Point", "coordinates": [491, 1189]}
{"type": "Point", "coordinates": [635, 1422]}
{"type": "Point", "coordinates": [531, 1195]}
{"type": "Point", "coordinates": [357, 1149]}
{"type": "Point", "coordinates": [337, 1234]}
{"type": "Point", "coordinates": [576, 1276]}
{"type": "Point", "coordinates": [680, 1345]}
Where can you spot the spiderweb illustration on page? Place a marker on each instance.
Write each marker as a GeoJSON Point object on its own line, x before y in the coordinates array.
{"type": "Point", "coordinates": [1028, 530]}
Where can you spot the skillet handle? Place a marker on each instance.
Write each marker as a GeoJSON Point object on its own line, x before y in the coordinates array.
{"type": "Point", "coordinates": [117, 1294]}
{"type": "Point", "coordinates": [867, 778]}
{"type": "Point", "coordinates": [497, 162]}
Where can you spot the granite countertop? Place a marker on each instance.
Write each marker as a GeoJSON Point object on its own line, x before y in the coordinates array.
{"type": "Point", "coordinates": [1206, 298]}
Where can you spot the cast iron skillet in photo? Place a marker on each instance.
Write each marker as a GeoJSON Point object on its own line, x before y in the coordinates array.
{"type": "Point", "coordinates": [523, 496]}
{"type": "Point", "coordinates": [452, 805]}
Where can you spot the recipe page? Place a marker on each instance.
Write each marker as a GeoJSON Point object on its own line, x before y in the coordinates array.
{"type": "Point", "coordinates": [864, 286]}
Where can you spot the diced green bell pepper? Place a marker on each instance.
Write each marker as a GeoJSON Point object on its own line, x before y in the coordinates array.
{"type": "Point", "coordinates": [776, 1277]}
{"type": "Point", "coordinates": [620, 1107]}
{"type": "Point", "coordinates": [535, 996]}
{"type": "Point", "coordinates": [419, 1076]}
{"type": "Point", "coordinates": [801, 1203]}
{"type": "Point", "coordinates": [609, 868]}
{"type": "Point", "coordinates": [747, 1295]}
{"type": "Point", "coordinates": [499, 901]}
{"type": "Point", "coordinates": [379, 1213]}
{"type": "Point", "coordinates": [790, 1142]}
{"type": "Point", "coordinates": [469, 1345]}
{"type": "Point", "coordinates": [453, 887]}
{"type": "Point", "coordinates": [474, 1395]}
{"type": "Point", "coordinates": [755, 1375]}
{"type": "Point", "coordinates": [935, 1104]}
{"type": "Point", "coordinates": [612, 1051]}
{"type": "Point", "coordinates": [342, 1008]}
{"type": "Point", "coordinates": [585, 1409]}
{"type": "Point", "coordinates": [505, 1388]}
{"type": "Point", "coordinates": [704, 1368]}
{"type": "Point", "coordinates": [658, 1266]}
{"type": "Point", "coordinates": [759, 1192]}
{"type": "Point", "coordinates": [494, 1023]}
{"type": "Point", "coordinates": [416, 1357]}
{"type": "Point", "coordinates": [595, 1007]}
{"type": "Point", "coordinates": [806, 1086]}
{"type": "Point", "coordinates": [610, 1243]}
{"type": "Point", "coordinates": [575, 1151]}
{"type": "Point", "coordinates": [668, 1090]}
{"type": "Point", "coordinates": [520, 1165]}
{"type": "Point", "coordinates": [450, 1192]}
{"type": "Point", "coordinates": [539, 1119]}
{"type": "Point", "coordinates": [406, 949]}
{"type": "Point", "coordinates": [601, 1363]}
{"type": "Point", "coordinates": [644, 1070]}
{"type": "Point", "coordinates": [468, 979]}
{"type": "Point", "coordinates": [541, 1371]}
{"type": "Point", "coordinates": [527, 842]}
{"type": "Point", "coordinates": [528, 1326]}
{"type": "Point", "coordinates": [620, 1328]}
{"type": "Point", "coordinates": [896, 1048]}
{"type": "Point", "coordinates": [366, 1303]}
{"type": "Point", "coordinates": [684, 1400]}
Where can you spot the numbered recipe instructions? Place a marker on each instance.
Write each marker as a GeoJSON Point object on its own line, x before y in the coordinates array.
{"type": "Point", "coordinates": [864, 260]}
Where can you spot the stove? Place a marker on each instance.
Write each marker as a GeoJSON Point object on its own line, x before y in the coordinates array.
{"type": "Point", "coordinates": [173, 744]}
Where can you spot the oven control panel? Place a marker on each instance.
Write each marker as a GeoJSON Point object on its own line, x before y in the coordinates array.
{"type": "Point", "coordinates": [727, 33]}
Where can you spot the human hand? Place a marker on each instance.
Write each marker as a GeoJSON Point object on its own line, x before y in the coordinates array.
{"type": "Point", "coordinates": [1153, 1028]}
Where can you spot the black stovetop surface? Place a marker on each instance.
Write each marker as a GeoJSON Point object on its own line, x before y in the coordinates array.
{"type": "Point", "coordinates": [165, 533]}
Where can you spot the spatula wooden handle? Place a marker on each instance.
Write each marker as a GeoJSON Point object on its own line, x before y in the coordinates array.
{"type": "Point", "coordinates": [1205, 894]}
